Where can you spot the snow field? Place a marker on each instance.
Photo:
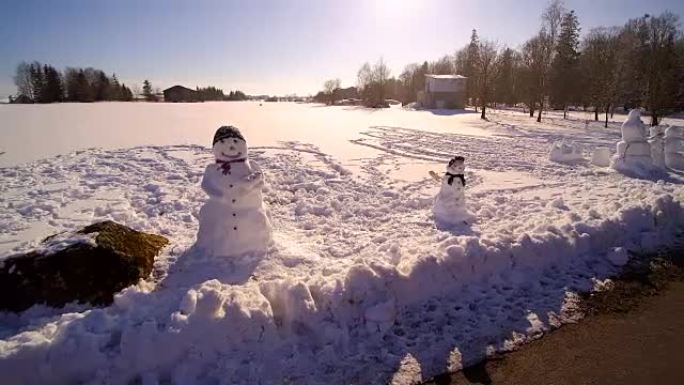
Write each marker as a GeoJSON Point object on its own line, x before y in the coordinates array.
{"type": "Point", "coordinates": [359, 287]}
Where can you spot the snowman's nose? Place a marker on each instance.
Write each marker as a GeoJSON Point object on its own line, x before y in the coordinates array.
{"type": "Point", "coordinates": [232, 147]}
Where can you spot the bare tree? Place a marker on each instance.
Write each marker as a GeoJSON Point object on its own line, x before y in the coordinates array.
{"type": "Point", "coordinates": [485, 65]}
{"type": "Point", "coordinates": [373, 83]}
{"type": "Point", "coordinates": [653, 60]}
{"type": "Point", "coordinates": [552, 18]}
{"type": "Point", "coordinates": [381, 72]}
{"type": "Point", "coordinates": [537, 61]}
{"type": "Point", "coordinates": [544, 49]}
{"type": "Point", "coordinates": [22, 79]}
{"type": "Point", "coordinates": [136, 91]}
{"type": "Point", "coordinates": [443, 66]}
{"type": "Point", "coordinates": [329, 88]}
{"type": "Point", "coordinates": [599, 60]}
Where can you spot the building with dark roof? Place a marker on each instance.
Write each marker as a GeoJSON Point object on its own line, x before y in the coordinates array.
{"type": "Point", "coordinates": [443, 91]}
{"type": "Point", "coordinates": [178, 94]}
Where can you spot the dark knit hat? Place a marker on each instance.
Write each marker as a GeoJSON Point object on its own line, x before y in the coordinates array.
{"type": "Point", "coordinates": [225, 132]}
{"type": "Point", "coordinates": [456, 159]}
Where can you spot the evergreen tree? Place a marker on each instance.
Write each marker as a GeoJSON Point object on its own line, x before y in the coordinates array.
{"type": "Point", "coordinates": [470, 70]}
{"type": "Point", "coordinates": [102, 87]}
{"type": "Point", "coordinates": [239, 95]}
{"type": "Point", "coordinates": [54, 89]}
{"type": "Point", "coordinates": [37, 82]}
{"type": "Point", "coordinates": [126, 93]}
{"type": "Point", "coordinates": [564, 68]}
{"type": "Point", "coordinates": [504, 82]}
{"type": "Point", "coordinates": [84, 91]}
{"type": "Point", "coordinates": [147, 91]}
{"type": "Point", "coordinates": [70, 84]}
{"type": "Point", "coordinates": [209, 93]}
{"type": "Point", "coordinates": [116, 91]}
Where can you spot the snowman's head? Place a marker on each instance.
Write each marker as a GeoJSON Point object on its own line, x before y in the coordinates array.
{"type": "Point", "coordinates": [229, 144]}
{"type": "Point", "coordinates": [456, 165]}
{"type": "Point", "coordinates": [634, 115]}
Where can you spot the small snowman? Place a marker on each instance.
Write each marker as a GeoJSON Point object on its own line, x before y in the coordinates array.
{"type": "Point", "coordinates": [449, 205]}
{"type": "Point", "coordinates": [233, 221]}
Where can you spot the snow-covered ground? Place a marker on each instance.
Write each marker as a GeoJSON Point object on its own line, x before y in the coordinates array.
{"type": "Point", "coordinates": [360, 286]}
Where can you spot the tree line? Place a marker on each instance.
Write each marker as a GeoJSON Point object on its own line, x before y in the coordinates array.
{"type": "Point", "coordinates": [638, 64]}
{"type": "Point", "coordinates": [43, 83]}
{"type": "Point", "coordinates": [216, 94]}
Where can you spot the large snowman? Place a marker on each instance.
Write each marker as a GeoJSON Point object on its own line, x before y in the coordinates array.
{"type": "Point", "coordinates": [633, 151]}
{"type": "Point", "coordinates": [674, 147]}
{"type": "Point", "coordinates": [449, 205]}
{"type": "Point", "coordinates": [233, 221]}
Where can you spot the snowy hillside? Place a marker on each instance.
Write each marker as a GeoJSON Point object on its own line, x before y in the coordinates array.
{"type": "Point", "coordinates": [360, 286]}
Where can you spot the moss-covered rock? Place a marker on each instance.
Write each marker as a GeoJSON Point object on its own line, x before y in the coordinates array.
{"type": "Point", "coordinates": [80, 268]}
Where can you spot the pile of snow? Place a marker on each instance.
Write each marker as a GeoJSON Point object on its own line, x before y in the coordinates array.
{"type": "Point", "coordinates": [601, 157]}
{"type": "Point", "coordinates": [565, 152]}
{"type": "Point", "coordinates": [360, 286]}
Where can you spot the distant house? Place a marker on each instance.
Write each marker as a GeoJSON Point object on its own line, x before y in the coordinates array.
{"type": "Point", "coordinates": [180, 94]}
{"type": "Point", "coordinates": [21, 99]}
{"type": "Point", "coordinates": [443, 91]}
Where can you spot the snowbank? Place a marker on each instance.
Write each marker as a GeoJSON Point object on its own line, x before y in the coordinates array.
{"type": "Point", "coordinates": [309, 316]}
{"type": "Point", "coordinates": [360, 286]}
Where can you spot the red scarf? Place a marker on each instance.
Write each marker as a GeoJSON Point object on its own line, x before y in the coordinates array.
{"type": "Point", "coordinates": [225, 164]}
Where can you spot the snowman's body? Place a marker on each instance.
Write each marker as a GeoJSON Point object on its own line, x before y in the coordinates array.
{"type": "Point", "coordinates": [233, 221]}
{"type": "Point", "coordinates": [449, 205]}
{"type": "Point", "coordinates": [674, 147]}
{"type": "Point", "coordinates": [657, 143]}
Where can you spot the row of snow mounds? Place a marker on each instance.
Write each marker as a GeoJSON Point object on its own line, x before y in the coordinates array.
{"type": "Point", "coordinates": [273, 331]}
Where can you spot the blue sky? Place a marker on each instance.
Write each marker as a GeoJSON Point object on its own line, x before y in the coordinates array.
{"type": "Point", "coordinates": [272, 46]}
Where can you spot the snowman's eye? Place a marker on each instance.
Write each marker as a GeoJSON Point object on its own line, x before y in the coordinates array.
{"type": "Point", "coordinates": [221, 140]}
{"type": "Point", "coordinates": [234, 140]}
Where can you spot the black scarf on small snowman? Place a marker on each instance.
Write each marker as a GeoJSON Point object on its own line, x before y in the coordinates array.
{"type": "Point", "coordinates": [450, 181]}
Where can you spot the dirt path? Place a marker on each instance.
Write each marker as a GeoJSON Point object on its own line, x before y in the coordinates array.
{"type": "Point", "coordinates": [642, 346]}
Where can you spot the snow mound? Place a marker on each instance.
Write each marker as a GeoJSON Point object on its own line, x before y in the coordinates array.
{"type": "Point", "coordinates": [601, 157]}
{"type": "Point", "coordinates": [566, 152]}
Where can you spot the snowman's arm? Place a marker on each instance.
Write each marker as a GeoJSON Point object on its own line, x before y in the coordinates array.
{"type": "Point", "coordinates": [209, 187]}
{"type": "Point", "coordinates": [254, 180]}
{"type": "Point", "coordinates": [435, 176]}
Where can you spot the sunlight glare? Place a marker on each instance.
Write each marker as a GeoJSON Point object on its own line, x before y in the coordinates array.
{"type": "Point", "coordinates": [395, 9]}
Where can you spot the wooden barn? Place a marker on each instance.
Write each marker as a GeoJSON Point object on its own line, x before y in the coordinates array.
{"type": "Point", "coordinates": [178, 93]}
